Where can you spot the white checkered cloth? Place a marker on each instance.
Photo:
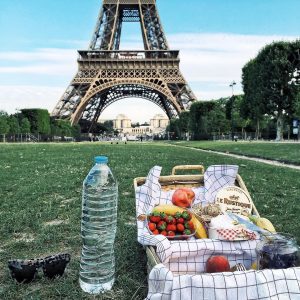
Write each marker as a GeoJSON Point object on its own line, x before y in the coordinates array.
{"type": "Point", "coordinates": [241, 285]}
{"type": "Point", "coordinates": [176, 279]}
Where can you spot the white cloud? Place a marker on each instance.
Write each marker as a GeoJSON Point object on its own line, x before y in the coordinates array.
{"type": "Point", "coordinates": [213, 61]}
{"type": "Point", "coordinates": [13, 98]}
{"type": "Point", "coordinates": [209, 63]}
{"type": "Point", "coordinates": [41, 61]}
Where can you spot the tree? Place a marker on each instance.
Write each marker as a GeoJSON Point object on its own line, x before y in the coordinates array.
{"type": "Point", "coordinates": [24, 125]}
{"type": "Point", "coordinates": [217, 121]}
{"type": "Point", "coordinates": [39, 120]}
{"type": "Point", "coordinates": [271, 82]}
{"type": "Point", "coordinates": [4, 126]}
{"type": "Point", "coordinates": [14, 127]}
{"type": "Point", "coordinates": [233, 113]}
{"type": "Point", "coordinates": [76, 131]}
{"type": "Point", "coordinates": [173, 129]}
{"type": "Point", "coordinates": [199, 120]}
{"type": "Point", "coordinates": [297, 106]}
{"type": "Point", "coordinates": [63, 128]}
{"type": "Point", "coordinates": [252, 106]}
{"type": "Point", "coordinates": [184, 120]}
{"type": "Point", "coordinates": [134, 125]}
{"type": "Point", "coordinates": [109, 126]}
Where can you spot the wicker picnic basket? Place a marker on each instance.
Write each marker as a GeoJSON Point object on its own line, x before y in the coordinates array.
{"type": "Point", "coordinates": [173, 182]}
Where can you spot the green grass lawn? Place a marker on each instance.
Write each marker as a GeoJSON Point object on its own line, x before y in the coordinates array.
{"type": "Point", "coordinates": [40, 208]}
{"type": "Point", "coordinates": [285, 152]}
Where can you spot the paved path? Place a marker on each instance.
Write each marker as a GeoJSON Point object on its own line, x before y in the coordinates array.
{"type": "Point", "coordinates": [262, 160]}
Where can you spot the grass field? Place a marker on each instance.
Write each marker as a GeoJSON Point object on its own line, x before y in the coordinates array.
{"type": "Point", "coordinates": [285, 152]}
{"type": "Point", "coordinates": [40, 208]}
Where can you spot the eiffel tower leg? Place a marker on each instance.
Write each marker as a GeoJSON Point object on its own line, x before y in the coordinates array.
{"type": "Point", "coordinates": [96, 114]}
{"type": "Point", "coordinates": [153, 34]}
{"type": "Point", "coordinates": [69, 101]}
{"type": "Point", "coordinates": [105, 31]}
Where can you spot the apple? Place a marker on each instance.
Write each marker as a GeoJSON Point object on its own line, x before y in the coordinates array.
{"type": "Point", "coordinates": [183, 197]}
{"type": "Point", "coordinates": [217, 264]}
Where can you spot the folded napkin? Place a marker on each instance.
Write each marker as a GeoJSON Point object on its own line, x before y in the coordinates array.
{"type": "Point", "coordinates": [232, 234]}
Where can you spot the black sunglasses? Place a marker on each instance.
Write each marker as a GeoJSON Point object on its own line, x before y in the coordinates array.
{"type": "Point", "coordinates": [24, 271]}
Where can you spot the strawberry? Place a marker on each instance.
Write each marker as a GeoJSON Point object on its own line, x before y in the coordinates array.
{"type": "Point", "coordinates": [162, 215]}
{"type": "Point", "coordinates": [187, 215]}
{"type": "Point", "coordinates": [171, 227]}
{"type": "Point", "coordinates": [180, 227]}
{"type": "Point", "coordinates": [178, 215]}
{"type": "Point", "coordinates": [161, 225]}
{"type": "Point", "coordinates": [171, 233]}
{"type": "Point", "coordinates": [170, 220]}
{"type": "Point", "coordinates": [180, 220]}
{"type": "Point", "coordinates": [155, 217]}
{"type": "Point", "coordinates": [164, 232]}
{"type": "Point", "coordinates": [152, 226]}
{"type": "Point", "coordinates": [187, 232]}
{"type": "Point", "coordinates": [189, 225]}
{"type": "Point", "coordinates": [156, 232]}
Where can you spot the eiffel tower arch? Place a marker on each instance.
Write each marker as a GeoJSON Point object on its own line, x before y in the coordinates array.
{"type": "Point", "coordinates": [107, 74]}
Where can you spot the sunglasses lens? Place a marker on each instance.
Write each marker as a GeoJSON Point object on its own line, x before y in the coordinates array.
{"type": "Point", "coordinates": [22, 272]}
{"type": "Point", "coordinates": [54, 266]}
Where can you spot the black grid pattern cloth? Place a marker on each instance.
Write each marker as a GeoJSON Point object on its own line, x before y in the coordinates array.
{"type": "Point", "coordinates": [179, 276]}
{"type": "Point", "coordinates": [280, 284]}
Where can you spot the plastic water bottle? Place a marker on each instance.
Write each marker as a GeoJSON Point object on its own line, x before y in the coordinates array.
{"type": "Point", "coordinates": [98, 228]}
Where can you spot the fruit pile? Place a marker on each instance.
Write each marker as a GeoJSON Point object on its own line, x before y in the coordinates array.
{"type": "Point", "coordinates": [179, 224]}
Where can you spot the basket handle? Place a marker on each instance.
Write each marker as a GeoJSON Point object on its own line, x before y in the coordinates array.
{"type": "Point", "coordinates": [188, 167]}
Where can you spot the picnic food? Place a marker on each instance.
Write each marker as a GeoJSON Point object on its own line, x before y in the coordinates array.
{"type": "Point", "coordinates": [224, 227]}
{"type": "Point", "coordinates": [217, 264]}
{"type": "Point", "coordinates": [177, 215]}
{"type": "Point", "coordinates": [167, 224]}
{"type": "Point", "coordinates": [263, 223]}
{"type": "Point", "coordinates": [212, 210]}
{"type": "Point", "coordinates": [183, 197]}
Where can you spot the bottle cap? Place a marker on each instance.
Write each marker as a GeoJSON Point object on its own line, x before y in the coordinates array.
{"type": "Point", "coordinates": [101, 159]}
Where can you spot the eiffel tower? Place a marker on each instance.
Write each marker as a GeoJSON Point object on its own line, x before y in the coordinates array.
{"type": "Point", "coordinates": [107, 74]}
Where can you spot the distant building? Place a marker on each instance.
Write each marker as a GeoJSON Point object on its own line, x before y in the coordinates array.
{"type": "Point", "coordinates": [122, 122]}
{"type": "Point", "coordinates": [158, 124]}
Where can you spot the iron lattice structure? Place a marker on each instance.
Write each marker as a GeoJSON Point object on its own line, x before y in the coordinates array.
{"type": "Point", "coordinates": [107, 74]}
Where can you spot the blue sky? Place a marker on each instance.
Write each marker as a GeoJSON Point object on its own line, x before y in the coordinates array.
{"type": "Point", "coordinates": [39, 39]}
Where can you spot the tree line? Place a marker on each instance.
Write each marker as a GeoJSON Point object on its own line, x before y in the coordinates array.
{"type": "Point", "coordinates": [270, 102]}
{"type": "Point", "coordinates": [36, 122]}
{"type": "Point", "coordinates": [39, 123]}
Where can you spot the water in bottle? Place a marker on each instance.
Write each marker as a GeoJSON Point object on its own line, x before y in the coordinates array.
{"type": "Point", "coordinates": [98, 228]}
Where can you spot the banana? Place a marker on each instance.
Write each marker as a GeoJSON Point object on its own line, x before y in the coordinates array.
{"type": "Point", "coordinates": [262, 223]}
{"type": "Point", "coordinates": [265, 224]}
{"type": "Point", "coordinates": [173, 209]}
{"type": "Point", "coordinates": [169, 209]}
{"type": "Point", "coordinates": [200, 230]}
{"type": "Point", "coordinates": [254, 266]}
